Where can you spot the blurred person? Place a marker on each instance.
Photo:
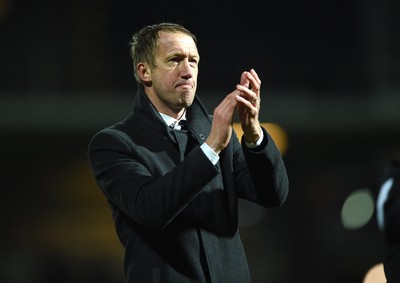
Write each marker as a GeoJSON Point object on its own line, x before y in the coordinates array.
{"type": "Point", "coordinates": [388, 216]}
{"type": "Point", "coordinates": [173, 190]}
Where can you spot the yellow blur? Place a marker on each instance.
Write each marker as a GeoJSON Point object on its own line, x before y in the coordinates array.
{"type": "Point", "coordinates": [277, 133]}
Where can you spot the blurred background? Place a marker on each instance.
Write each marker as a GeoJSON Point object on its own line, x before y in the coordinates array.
{"type": "Point", "coordinates": [330, 83]}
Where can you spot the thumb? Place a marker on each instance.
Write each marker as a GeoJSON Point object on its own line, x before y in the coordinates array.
{"type": "Point", "coordinates": [243, 79]}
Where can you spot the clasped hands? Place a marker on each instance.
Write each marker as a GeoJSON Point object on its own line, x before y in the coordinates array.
{"type": "Point", "coordinates": [246, 100]}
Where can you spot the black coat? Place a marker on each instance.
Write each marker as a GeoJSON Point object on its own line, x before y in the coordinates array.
{"type": "Point", "coordinates": [175, 213]}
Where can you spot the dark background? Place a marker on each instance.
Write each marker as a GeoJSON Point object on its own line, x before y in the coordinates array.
{"type": "Point", "coordinates": [330, 73]}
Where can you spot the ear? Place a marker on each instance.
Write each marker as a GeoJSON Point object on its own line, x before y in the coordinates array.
{"type": "Point", "coordinates": [144, 72]}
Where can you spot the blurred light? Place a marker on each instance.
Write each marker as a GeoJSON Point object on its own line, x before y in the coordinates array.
{"type": "Point", "coordinates": [375, 274]}
{"type": "Point", "coordinates": [357, 209]}
{"type": "Point", "coordinates": [277, 133]}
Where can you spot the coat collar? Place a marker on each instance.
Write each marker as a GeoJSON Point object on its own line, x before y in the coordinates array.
{"type": "Point", "coordinates": [199, 121]}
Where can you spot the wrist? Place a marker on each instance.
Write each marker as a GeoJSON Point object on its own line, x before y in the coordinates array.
{"type": "Point", "coordinates": [252, 140]}
{"type": "Point", "coordinates": [255, 140]}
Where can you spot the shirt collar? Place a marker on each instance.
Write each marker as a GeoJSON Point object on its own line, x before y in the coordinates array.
{"type": "Point", "coordinates": [170, 120]}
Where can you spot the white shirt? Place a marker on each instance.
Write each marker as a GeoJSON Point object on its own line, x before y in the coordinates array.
{"type": "Point", "coordinates": [174, 123]}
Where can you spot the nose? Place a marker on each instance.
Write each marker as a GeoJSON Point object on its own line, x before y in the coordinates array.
{"type": "Point", "coordinates": [187, 70]}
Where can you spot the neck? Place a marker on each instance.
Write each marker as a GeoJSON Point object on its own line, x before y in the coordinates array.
{"type": "Point", "coordinates": [175, 113]}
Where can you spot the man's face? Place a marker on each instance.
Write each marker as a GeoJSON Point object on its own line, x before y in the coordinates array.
{"type": "Point", "coordinates": [174, 79]}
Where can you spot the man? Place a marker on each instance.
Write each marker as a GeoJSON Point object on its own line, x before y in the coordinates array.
{"type": "Point", "coordinates": [174, 191]}
{"type": "Point", "coordinates": [388, 216]}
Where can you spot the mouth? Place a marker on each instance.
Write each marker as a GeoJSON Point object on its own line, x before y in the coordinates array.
{"type": "Point", "coordinates": [184, 86]}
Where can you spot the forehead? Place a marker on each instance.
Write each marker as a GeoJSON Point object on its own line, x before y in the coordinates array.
{"type": "Point", "coordinates": [176, 42]}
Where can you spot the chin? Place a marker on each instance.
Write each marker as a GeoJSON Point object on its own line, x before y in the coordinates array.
{"type": "Point", "coordinates": [187, 98]}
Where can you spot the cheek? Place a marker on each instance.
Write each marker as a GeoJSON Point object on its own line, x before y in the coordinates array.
{"type": "Point", "coordinates": [162, 81]}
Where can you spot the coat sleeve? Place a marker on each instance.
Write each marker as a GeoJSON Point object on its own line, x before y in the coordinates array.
{"type": "Point", "coordinates": [269, 180]}
{"type": "Point", "coordinates": [144, 185]}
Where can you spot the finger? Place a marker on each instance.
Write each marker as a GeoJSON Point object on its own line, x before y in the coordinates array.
{"type": "Point", "coordinates": [244, 81]}
{"type": "Point", "coordinates": [251, 104]}
{"type": "Point", "coordinates": [247, 93]}
{"type": "Point", "coordinates": [228, 104]}
{"type": "Point", "coordinates": [255, 75]}
{"type": "Point", "coordinates": [255, 82]}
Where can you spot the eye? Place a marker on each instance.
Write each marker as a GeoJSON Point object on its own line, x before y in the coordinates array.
{"type": "Point", "coordinates": [194, 62]}
{"type": "Point", "coordinates": [175, 60]}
